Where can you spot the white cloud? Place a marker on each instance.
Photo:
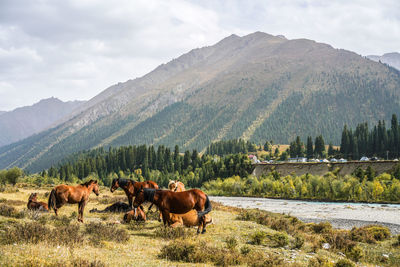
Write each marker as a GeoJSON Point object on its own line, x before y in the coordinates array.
{"type": "Point", "coordinates": [75, 49]}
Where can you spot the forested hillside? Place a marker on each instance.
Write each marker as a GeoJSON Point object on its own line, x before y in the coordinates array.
{"type": "Point", "coordinates": [257, 87]}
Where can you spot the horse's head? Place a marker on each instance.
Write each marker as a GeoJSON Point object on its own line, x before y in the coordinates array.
{"type": "Point", "coordinates": [96, 188]}
{"type": "Point", "coordinates": [172, 185]}
{"type": "Point", "coordinates": [33, 197]}
{"type": "Point", "coordinates": [114, 185]}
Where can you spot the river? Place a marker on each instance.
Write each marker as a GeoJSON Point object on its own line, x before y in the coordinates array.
{"type": "Point", "coordinates": [339, 214]}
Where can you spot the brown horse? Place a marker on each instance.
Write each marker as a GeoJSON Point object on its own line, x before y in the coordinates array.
{"type": "Point", "coordinates": [130, 215]}
{"type": "Point", "coordinates": [62, 194]}
{"type": "Point", "coordinates": [131, 187]}
{"type": "Point", "coordinates": [175, 202]}
{"type": "Point", "coordinates": [33, 204]}
{"type": "Point", "coordinates": [176, 186]}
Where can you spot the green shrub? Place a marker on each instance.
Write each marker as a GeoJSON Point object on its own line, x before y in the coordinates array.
{"type": "Point", "coordinates": [245, 250]}
{"type": "Point", "coordinates": [66, 235]}
{"type": "Point", "coordinates": [231, 243]}
{"type": "Point", "coordinates": [258, 237]}
{"type": "Point", "coordinates": [173, 232]}
{"type": "Point", "coordinates": [105, 232]}
{"type": "Point", "coordinates": [344, 263]}
{"type": "Point", "coordinates": [32, 232]}
{"type": "Point", "coordinates": [370, 233]}
{"type": "Point", "coordinates": [298, 242]}
{"type": "Point", "coordinates": [278, 240]}
{"type": "Point", "coordinates": [322, 227]}
{"type": "Point", "coordinates": [178, 251]}
{"type": "Point", "coordinates": [355, 253]}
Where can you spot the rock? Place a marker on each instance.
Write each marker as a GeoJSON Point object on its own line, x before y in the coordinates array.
{"type": "Point", "coordinates": [326, 246]}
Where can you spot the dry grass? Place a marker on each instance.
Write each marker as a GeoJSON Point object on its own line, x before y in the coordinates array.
{"type": "Point", "coordinates": [42, 239]}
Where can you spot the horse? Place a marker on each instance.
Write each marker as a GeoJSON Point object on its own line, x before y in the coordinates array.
{"type": "Point", "coordinates": [62, 194]}
{"type": "Point", "coordinates": [176, 186]}
{"type": "Point", "coordinates": [130, 215]}
{"type": "Point", "coordinates": [33, 204]}
{"type": "Point", "coordinates": [116, 207]}
{"type": "Point", "coordinates": [188, 219]}
{"type": "Point", "coordinates": [175, 202]}
{"type": "Point", "coordinates": [131, 187]}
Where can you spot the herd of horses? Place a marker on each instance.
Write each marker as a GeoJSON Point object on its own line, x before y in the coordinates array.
{"type": "Point", "coordinates": [177, 206]}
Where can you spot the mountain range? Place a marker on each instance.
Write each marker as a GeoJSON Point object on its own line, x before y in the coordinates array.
{"type": "Point", "coordinates": [392, 59]}
{"type": "Point", "coordinates": [25, 121]}
{"type": "Point", "coordinates": [257, 87]}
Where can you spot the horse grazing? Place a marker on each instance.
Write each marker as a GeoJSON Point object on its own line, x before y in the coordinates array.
{"type": "Point", "coordinates": [131, 187]}
{"type": "Point", "coordinates": [176, 202]}
{"type": "Point", "coordinates": [62, 194]}
{"type": "Point", "coordinates": [33, 204]}
{"type": "Point", "coordinates": [188, 219]}
{"type": "Point", "coordinates": [176, 186]}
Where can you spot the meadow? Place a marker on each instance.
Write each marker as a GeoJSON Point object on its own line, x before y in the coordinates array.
{"type": "Point", "coordinates": [236, 237]}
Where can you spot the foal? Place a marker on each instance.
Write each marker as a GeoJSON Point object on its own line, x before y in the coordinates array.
{"type": "Point", "coordinates": [33, 204]}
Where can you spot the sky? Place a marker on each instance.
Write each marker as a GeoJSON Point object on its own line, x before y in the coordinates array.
{"type": "Point", "coordinates": [76, 49]}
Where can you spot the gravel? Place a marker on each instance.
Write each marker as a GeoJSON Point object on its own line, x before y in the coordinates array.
{"type": "Point", "coordinates": [339, 214]}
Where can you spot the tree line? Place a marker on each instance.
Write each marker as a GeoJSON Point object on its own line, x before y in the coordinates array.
{"type": "Point", "coordinates": [234, 146]}
{"type": "Point", "coordinates": [379, 141]}
{"type": "Point", "coordinates": [363, 185]}
{"type": "Point", "coordinates": [147, 162]}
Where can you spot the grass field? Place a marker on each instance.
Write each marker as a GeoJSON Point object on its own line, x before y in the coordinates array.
{"type": "Point", "coordinates": [236, 237]}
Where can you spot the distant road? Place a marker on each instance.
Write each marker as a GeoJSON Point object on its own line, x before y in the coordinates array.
{"type": "Point", "coordinates": [340, 215]}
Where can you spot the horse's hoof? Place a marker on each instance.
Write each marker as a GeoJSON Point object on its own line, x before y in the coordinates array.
{"type": "Point", "coordinates": [203, 232]}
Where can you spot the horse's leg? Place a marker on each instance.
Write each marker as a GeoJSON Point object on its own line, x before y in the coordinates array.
{"type": "Point", "coordinates": [130, 200]}
{"type": "Point", "coordinates": [204, 224]}
{"type": "Point", "coordinates": [165, 216]}
{"type": "Point", "coordinates": [81, 206]}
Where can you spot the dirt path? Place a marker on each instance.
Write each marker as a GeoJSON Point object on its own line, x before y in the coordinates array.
{"type": "Point", "coordinates": [341, 215]}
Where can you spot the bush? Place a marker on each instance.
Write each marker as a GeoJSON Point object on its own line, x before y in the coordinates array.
{"type": "Point", "coordinates": [99, 232]}
{"type": "Point", "coordinates": [258, 237]}
{"type": "Point", "coordinates": [25, 233]}
{"type": "Point", "coordinates": [231, 243]}
{"type": "Point", "coordinates": [355, 253]}
{"type": "Point", "coordinates": [245, 250]}
{"type": "Point", "coordinates": [9, 211]}
{"type": "Point", "coordinates": [173, 233]}
{"type": "Point", "coordinates": [370, 233]}
{"type": "Point", "coordinates": [278, 240]}
{"type": "Point", "coordinates": [339, 240]}
{"type": "Point", "coordinates": [344, 263]}
{"type": "Point", "coordinates": [66, 235]}
{"type": "Point", "coordinates": [61, 220]}
{"type": "Point", "coordinates": [322, 227]}
{"type": "Point", "coordinates": [178, 251]}
{"type": "Point", "coordinates": [298, 242]}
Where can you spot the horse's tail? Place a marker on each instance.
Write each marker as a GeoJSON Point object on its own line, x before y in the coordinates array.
{"type": "Point", "coordinates": [207, 208]}
{"type": "Point", "coordinates": [52, 200]}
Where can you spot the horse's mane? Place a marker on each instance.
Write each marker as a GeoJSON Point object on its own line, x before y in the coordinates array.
{"type": "Point", "coordinates": [88, 183]}
{"type": "Point", "coordinates": [149, 194]}
{"type": "Point", "coordinates": [124, 182]}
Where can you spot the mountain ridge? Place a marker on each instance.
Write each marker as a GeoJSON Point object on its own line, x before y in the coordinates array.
{"type": "Point", "coordinates": [25, 121]}
{"type": "Point", "coordinates": [259, 87]}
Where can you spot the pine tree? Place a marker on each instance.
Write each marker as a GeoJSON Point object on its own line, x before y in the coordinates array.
{"type": "Point", "coordinates": [310, 150]}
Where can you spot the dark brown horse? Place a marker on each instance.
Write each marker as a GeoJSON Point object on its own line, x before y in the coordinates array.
{"type": "Point", "coordinates": [176, 202]}
{"type": "Point", "coordinates": [34, 204]}
{"type": "Point", "coordinates": [62, 194]}
{"type": "Point", "coordinates": [131, 187]}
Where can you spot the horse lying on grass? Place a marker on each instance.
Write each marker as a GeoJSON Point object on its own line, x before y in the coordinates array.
{"type": "Point", "coordinates": [62, 194]}
{"type": "Point", "coordinates": [130, 215]}
{"type": "Point", "coordinates": [116, 207]}
{"type": "Point", "coordinates": [131, 187]}
{"type": "Point", "coordinates": [175, 202]}
{"type": "Point", "coordinates": [33, 204]}
{"type": "Point", "coordinates": [188, 219]}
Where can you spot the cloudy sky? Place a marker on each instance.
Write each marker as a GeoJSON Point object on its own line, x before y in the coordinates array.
{"type": "Point", "coordinates": [75, 49]}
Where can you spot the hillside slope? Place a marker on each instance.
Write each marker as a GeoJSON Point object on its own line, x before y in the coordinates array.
{"type": "Point", "coordinates": [26, 121]}
{"type": "Point", "coordinates": [392, 59]}
{"type": "Point", "coordinates": [258, 87]}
